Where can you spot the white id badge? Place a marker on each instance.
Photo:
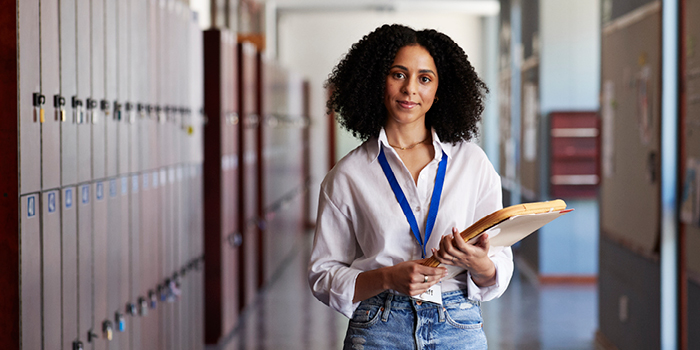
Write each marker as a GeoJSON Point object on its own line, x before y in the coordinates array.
{"type": "Point", "coordinates": [433, 294]}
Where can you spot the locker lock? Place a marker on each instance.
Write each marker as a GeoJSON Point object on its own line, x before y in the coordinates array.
{"type": "Point", "coordinates": [120, 321]}
{"type": "Point", "coordinates": [183, 271]}
{"type": "Point", "coordinates": [91, 336]}
{"type": "Point", "coordinates": [149, 109]}
{"type": "Point", "coordinates": [104, 105]}
{"type": "Point", "coordinates": [128, 107]}
{"type": "Point", "coordinates": [159, 114]}
{"type": "Point", "coordinates": [91, 104]}
{"type": "Point", "coordinates": [77, 105]}
{"type": "Point", "coordinates": [58, 103]}
{"type": "Point", "coordinates": [143, 306]}
{"type": "Point", "coordinates": [77, 345]}
{"type": "Point", "coordinates": [162, 290]}
{"type": "Point", "coordinates": [153, 299]}
{"type": "Point", "coordinates": [107, 330]}
{"type": "Point", "coordinates": [38, 101]}
{"type": "Point", "coordinates": [131, 309]}
{"type": "Point", "coordinates": [117, 111]}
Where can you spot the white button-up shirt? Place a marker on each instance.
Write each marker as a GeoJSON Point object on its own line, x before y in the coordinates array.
{"type": "Point", "coordinates": [361, 226]}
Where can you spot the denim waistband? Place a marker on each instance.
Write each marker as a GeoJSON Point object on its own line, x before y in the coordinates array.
{"type": "Point", "coordinates": [389, 300]}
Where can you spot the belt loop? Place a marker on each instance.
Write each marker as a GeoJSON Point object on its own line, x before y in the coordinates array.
{"type": "Point", "coordinates": [441, 313]}
{"type": "Point", "coordinates": [387, 306]}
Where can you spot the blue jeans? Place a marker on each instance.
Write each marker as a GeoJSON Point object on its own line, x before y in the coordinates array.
{"type": "Point", "coordinates": [391, 321]}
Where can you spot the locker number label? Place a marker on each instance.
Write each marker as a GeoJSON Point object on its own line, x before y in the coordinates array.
{"type": "Point", "coordinates": [112, 188]}
{"type": "Point", "coordinates": [52, 202]}
{"type": "Point", "coordinates": [69, 198]}
{"type": "Point", "coordinates": [100, 191]}
{"type": "Point", "coordinates": [31, 206]}
{"type": "Point", "coordinates": [86, 194]}
{"type": "Point", "coordinates": [125, 185]}
{"type": "Point", "coordinates": [134, 183]}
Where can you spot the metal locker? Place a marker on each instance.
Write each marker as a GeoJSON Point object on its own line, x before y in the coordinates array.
{"type": "Point", "coordinates": [30, 294]}
{"type": "Point", "coordinates": [51, 267]}
{"type": "Point", "coordinates": [124, 263]}
{"type": "Point", "coordinates": [248, 183]}
{"type": "Point", "coordinates": [103, 323]}
{"type": "Point", "coordinates": [148, 260]}
{"type": "Point", "coordinates": [113, 254]}
{"type": "Point", "coordinates": [66, 112]}
{"type": "Point", "coordinates": [123, 54]}
{"type": "Point", "coordinates": [135, 262]}
{"type": "Point", "coordinates": [31, 102]}
{"type": "Point", "coordinates": [96, 105]}
{"type": "Point", "coordinates": [166, 229]}
{"type": "Point", "coordinates": [79, 101]}
{"type": "Point", "coordinates": [110, 102]}
{"type": "Point", "coordinates": [86, 318]}
{"type": "Point", "coordinates": [69, 266]}
{"type": "Point", "coordinates": [50, 88]}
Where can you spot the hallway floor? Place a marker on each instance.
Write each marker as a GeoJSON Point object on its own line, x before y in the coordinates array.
{"type": "Point", "coordinates": [527, 316]}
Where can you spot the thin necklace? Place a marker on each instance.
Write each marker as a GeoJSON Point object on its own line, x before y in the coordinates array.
{"type": "Point", "coordinates": [410, 146]}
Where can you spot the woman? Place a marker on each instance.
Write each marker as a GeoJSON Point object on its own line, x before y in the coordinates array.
{"type": "Point", "coordinates": [415, 100]}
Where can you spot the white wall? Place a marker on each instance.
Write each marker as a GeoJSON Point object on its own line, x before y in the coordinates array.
{"type": "Point", "coordinates": [312, 43]}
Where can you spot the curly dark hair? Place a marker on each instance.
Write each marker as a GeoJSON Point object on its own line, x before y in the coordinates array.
{"type": "Point", "coordinates": [358, 83]}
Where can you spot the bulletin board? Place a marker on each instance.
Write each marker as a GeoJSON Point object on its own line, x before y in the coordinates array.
{"type": "Point", "coordinates": [630, 127]}
{"type": "Point", "coordinates": [690, 197]}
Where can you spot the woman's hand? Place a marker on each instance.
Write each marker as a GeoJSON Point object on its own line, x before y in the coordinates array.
{"type": "Point", "coordinates": [471, 256]}
{"type": "Point", "coordinates": [412, 278]}
{"type": "Point", "coordinates": [408, 277]}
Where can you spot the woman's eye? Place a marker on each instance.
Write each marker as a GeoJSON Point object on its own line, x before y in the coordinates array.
{"type": "Point", "coordinates": [425, 80]}
{"type": "Point", "coordinates": [399, 75]}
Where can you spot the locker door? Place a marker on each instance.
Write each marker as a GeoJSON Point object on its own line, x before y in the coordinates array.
{"type": "Point", "coordinates": [69, 138]}
{"type": "Point", "coordinates": [50, 88]}
{"type": "Point", "coordinates": [30, 100]}
{"type": "Point", "coordinates": [69, 266]}
{"type": "Point", "coordinates": [123, 265]}
{"type": "Point", "coordinates": [147, 261]}
{"type": "Point", "coordinates": [97, 104]}
{"type": "Point", "coordinates": [31, 271]}
{"type": "Point", "coordinates": [123, 53]}
{"type": "Point", "coordinates": [85, 264]}
{"type": "Point", "coordinates": [103, 323]}
{"type": "Point", "coordinates": [78, 102]}
{"type": "Point", "coordinates": [157, 259]}
{"type": "Point", "coordinates": [113, 252]}
{"type": "Point", "coordinates": [51, 267]}
{"type": "Point", "coordinates": [110, 103]}
{"type": "Point", "coordinates": [135, 250]}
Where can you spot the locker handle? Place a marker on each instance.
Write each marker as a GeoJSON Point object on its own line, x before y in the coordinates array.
{"type": "Point", "coordinates": [91, 336]}
{"type": "Point", "coordinates": [153, 299]}
{"type": "Point", "coordinates": [131, 309]}
{"type": "Point", "coordinates": [77, 345]}
{"type": "Point", "coordinates": [107, 330]}
{"type": "Point", "coordinates": [117, 111]}
{"type": "Point", "coordinates": [120, 321]}
{"type": "Point", "coordinates": [104, 105]}
{"type": "Point", "coordinates": [143, 306]}
{"type": "Point", "coordinates": [38, 101]}
{"type": "Point", "coordinates": [58, 103]}
{"type": "Point", "coordinates": [235, 239]}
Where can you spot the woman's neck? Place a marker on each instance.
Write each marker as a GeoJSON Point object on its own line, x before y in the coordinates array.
{"type": "Point", "coordinates": [406, 136]}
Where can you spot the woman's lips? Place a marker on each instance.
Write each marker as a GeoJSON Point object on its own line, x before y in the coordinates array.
{"type": "Point", "coordinates": [407, 104]}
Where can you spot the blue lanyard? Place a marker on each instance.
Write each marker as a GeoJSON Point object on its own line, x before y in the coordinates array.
{"type": "Point", "coordinates": [401, 198]}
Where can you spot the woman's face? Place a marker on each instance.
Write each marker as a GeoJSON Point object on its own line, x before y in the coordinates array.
{"type": "Point", "coordinates": [410, 86]}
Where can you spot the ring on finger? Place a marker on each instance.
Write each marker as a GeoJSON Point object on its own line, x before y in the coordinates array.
{"type": "Point", "coordinates": [425, 279]}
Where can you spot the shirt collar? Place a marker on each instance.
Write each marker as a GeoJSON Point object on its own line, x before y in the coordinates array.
{"type": "Point", "coordinates": [382, 141]}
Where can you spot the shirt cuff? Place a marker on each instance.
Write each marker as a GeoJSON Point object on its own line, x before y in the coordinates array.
{"type": "Point", "coordinates": [343, 291]}
{"type": "Point", "coordinates": [503, 275]}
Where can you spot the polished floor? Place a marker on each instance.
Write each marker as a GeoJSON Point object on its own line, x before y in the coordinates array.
{"type": "Point", "coordinates": [528, 316]}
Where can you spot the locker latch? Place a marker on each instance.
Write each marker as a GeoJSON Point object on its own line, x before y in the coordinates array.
{"type": "Point", "coordinates": [128, 107]}
{"type": "Point", "coordinates": [77, 345]}
{"type": "Point", "coordinates": [117, 111]}
{"type": "Point", "coordinates": [153, 299]}
{"type": "Point", "coordinates": [162, 292]}
{"type": "Point", "coordinates": [149, 109]}
{"type": "Point", "coordinates": [91, 104]}
{"type": "Point", "coordinates": [77, 104]}
{"type": "Point", "coordinates": [159, 115]}
{"type": "Point", "coordinates": [104, 106]}
{"type": "Point", "coordinates": [120, 321]}
{"type": "Point", "coordinates": [131, 309]}
{"type": "Point", "coordinates": [143, 307]}
{"type": "Point", "coordinates": [91, 336]}
{"type": "Point", "coordinates": [107, 330]}
{"type": "Point", "coordinates": [38, 101]}
{"type": "Point", "coordinates": [59, 102]}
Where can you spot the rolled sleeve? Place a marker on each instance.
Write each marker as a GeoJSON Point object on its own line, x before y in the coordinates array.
{"type": "Point", "coordinates": [331, 278]}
